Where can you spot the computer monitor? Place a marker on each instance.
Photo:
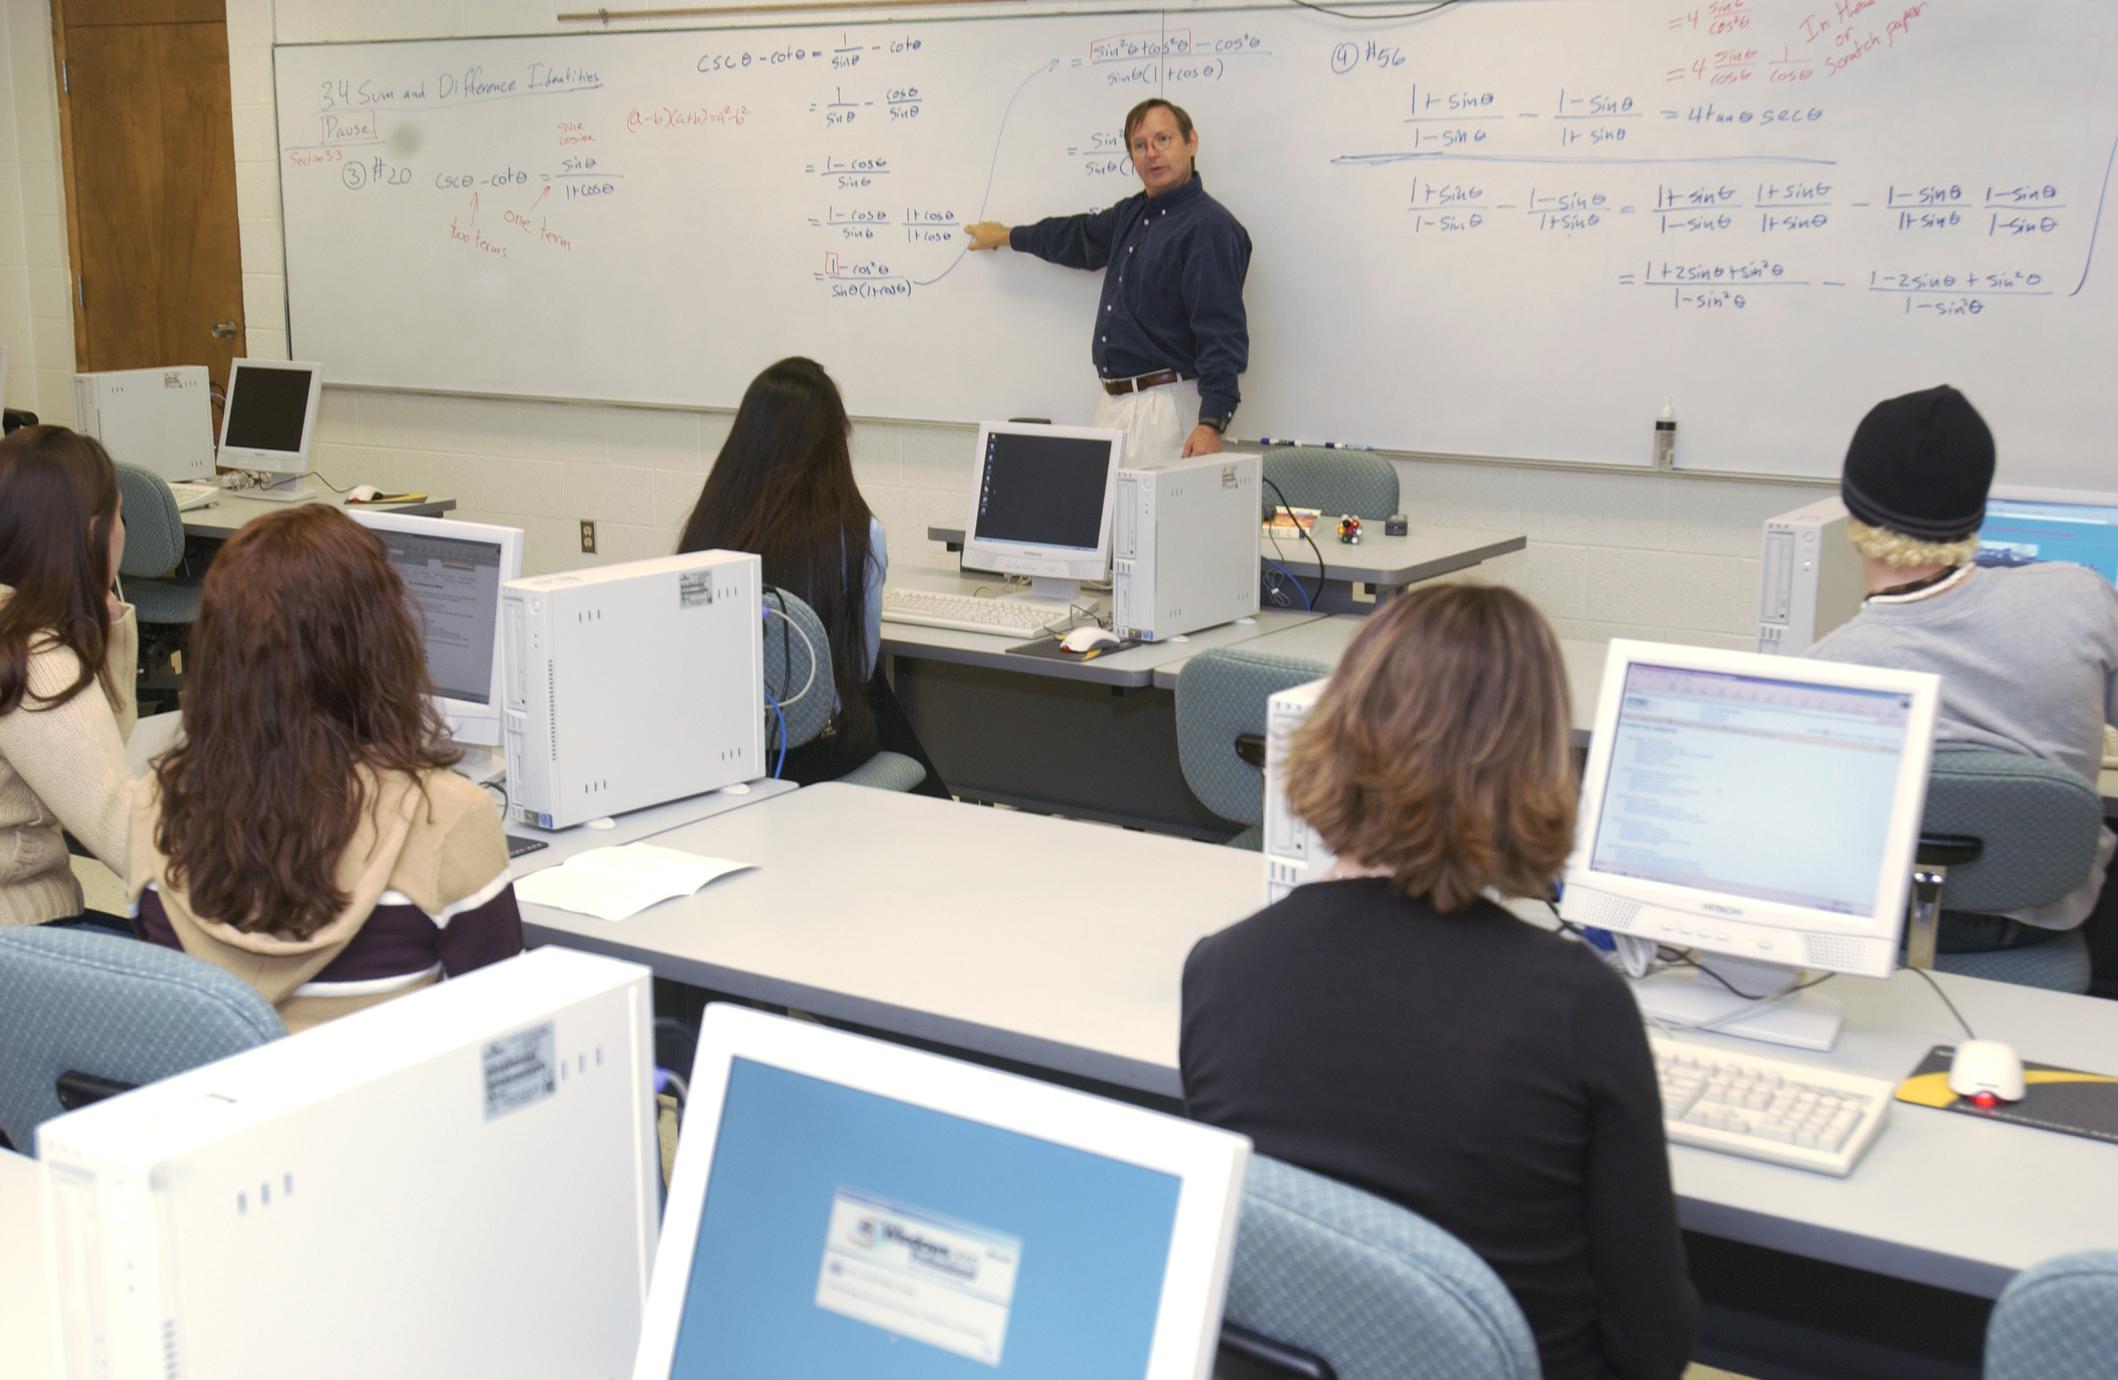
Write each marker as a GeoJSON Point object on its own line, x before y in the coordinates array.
{"type": "Point", "coordinates": [452, 575]}
{"type": "Point", "coordinates": [269, 421]}
{"type": "Point", "coordinates": [1041, 504]}
{"type": "Point", "coordinates": [461, 1181]}
{"type": "Point", "coordinates": [2029, 526]}
{"type": "Point", "coordinates": [1759, 808]}
{"type": "Point", "coordinates": [844, 1207]}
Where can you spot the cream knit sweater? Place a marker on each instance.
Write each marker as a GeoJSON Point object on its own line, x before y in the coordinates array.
{"type": "Point", "coordinates": [64, 768]}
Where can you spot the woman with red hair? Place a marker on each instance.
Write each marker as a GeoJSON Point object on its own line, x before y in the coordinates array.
{"type": "Point", "coordinates": [306, 833]}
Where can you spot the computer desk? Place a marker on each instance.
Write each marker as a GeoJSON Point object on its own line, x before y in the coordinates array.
{"type": "Point", "coordinates": [222, 518]}
{"type": "Point", "coordinates": [1360, 575]}
{"type": "Point", "coordinates": [1060, 945]}
{"type": "Point", "coordinates": [1089, 738]}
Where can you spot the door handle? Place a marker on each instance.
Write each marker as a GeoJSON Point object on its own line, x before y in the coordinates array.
{"type": "Point", "coordinates": [224, 330]}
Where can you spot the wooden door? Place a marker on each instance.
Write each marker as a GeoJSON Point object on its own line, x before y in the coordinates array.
{"type": "Point", "coordinates": [150, 180]}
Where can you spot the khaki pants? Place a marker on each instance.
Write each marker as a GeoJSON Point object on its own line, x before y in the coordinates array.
{"type": "Point", "coordinates": [1156, 421]}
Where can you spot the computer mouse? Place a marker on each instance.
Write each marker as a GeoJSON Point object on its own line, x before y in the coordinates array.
{"type": "Point", "coordinates": [362, 493]}
{"type": "Point", "coordinates": [1986, 1071]}
{"type": "Point", "coordinates": [1082, 639]}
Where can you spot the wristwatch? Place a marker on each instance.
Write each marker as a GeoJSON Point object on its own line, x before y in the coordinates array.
{"type": "Point", "coordinates": [1219, 424]}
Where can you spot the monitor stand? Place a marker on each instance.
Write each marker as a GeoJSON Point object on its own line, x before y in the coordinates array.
{"type": "Point", "coordinates": [1802, 1021]}
{"type": "Point", "coordinates": [286, 489]}
{"type": "Point", "coordinates": [1047, 589]}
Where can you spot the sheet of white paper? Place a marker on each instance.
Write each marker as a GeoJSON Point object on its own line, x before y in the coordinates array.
{"type": "Point", "coordinates": [613, 883]}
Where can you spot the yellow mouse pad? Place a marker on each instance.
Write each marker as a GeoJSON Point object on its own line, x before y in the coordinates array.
{"type": "Point", "coordinates": [2064, 1100]}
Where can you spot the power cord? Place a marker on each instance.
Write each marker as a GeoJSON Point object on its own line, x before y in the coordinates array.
{"type": "Point", "coordinates": [1929, 980]}
{"type": "Point", "coordinates": [1307, 602]}
{"type": "Point", "coordinates": [1278, 596]}
{"type": "Point", "coordinates": [779, 764]}
{"type": "Point", "coordinates": [794, 629]}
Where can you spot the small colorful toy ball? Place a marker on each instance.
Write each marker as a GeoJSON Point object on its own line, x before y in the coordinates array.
{"type": "Point", "coordinates": [1349, 530]}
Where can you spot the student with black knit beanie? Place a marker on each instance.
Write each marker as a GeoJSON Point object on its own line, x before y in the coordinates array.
{"type": "Point", "coordinates": [2028, 657]}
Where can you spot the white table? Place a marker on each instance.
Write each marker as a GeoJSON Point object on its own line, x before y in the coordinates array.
{"type": "Point", "coordinates": [1091, 739]}
{"type": "Point", "coordinates": [955, 924]}
{"type": "Point", "coordinates": [1359, 575]}
{"type": "Point", "coordinates": [1043, 941]}
{"type": "Point", "coordinates": [222, 518]}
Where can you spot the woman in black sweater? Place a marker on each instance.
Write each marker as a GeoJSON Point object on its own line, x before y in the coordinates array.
{"type": "Point", "coordinates": [1392, 1027]}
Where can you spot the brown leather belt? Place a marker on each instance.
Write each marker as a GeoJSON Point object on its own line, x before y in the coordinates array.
{"type": "Point", "coordinates": [1143, 381]}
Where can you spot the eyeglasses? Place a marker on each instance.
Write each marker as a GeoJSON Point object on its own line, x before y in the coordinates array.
{"type": "Point", "coordinates": [1159, 141]}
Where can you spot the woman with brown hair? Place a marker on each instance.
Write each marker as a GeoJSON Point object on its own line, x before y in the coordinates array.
{"type": "Point", "coordinates": [68, 652]}
{"type": "Point", "coordinates": [1392, 1027]}
{"type": "Point", "coordinates": [307, 833]}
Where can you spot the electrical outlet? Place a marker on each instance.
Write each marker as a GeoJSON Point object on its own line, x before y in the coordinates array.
{"type": "Point", "coordinates": [588, 536]}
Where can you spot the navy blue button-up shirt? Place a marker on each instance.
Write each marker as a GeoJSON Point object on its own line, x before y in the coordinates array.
{"type": "Point", "coordinates": [1172, 286]}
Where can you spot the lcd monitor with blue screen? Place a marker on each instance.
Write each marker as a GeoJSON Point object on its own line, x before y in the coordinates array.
{"type": "Point", "coordinates": [861, 1210]}
{"type": "Point", "coordinates": [2026, 530]}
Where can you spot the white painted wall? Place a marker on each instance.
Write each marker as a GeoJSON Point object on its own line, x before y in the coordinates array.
{"type": "Point", "coordinates": [1609, 554]}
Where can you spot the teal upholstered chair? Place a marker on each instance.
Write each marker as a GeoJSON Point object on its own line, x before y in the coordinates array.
{"type": "Point", "coordinates": [2014, 831]}
{"type": "Point", "coordinates": [84, 1012]}
{"type": "Point", "coordinates": [1221, 698]}
{"type": "Point", "coordinates": [2059, 1318]}
{"type": "Point", "coordinates": [798, 654]}
{"type": "Point", "coordinates": [1369, 1288]}
{"type": "Point", "coordinates": [1335, 482]}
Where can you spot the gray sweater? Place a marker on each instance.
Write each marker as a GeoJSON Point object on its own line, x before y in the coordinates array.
{"type": "Point", "coordinates": [2028, 660]}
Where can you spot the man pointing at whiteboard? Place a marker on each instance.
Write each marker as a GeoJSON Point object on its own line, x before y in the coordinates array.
{"type": "Point", "coordinates": [1170, 333]}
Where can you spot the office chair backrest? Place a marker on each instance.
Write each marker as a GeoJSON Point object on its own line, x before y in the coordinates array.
{"type": "Point", "coordinates": [154, 530]}
{"type": "Point", "coordinates": [1335, 482]}
{"type": "Point", "coordinates": [2057, 1318]}
{"type": "Point", "coordinates": [1370, 1288]}
{"type": "Point", "coordinates": [791, 660]}
{"type": "Point", "coordinates": [1221, 696]}
{"type": "Point", "coordinates": [2039, 824]}
{"type": "Point", "coordinates": [98, 1009]}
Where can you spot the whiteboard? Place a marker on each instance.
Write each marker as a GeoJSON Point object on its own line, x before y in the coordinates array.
{"type": "Point", "coordinates": [1510, 228]}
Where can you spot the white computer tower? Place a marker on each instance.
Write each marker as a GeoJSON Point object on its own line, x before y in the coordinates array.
{"type": "Point", "coordinates": [462, 1181]}
{"type": "Point", "coordinates": [158, 419]}
{"type": "Point", "coordinates": [1293, 852]}
{"type": "Point", "coordinates": [1812, 581]}
{"type": "Point", "coordinates": [631, 685]}
{"type": "Point", "coordinates": [1184, 546]}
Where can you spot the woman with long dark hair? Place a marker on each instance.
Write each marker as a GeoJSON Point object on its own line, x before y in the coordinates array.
{"type": "Point", "coordinates": [307, 833]}
{"type": "Point", "coordinates": [68, 652]}
{"type": "Point", "coordinates": [782, 487]}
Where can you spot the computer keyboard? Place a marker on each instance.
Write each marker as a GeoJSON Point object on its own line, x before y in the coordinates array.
{"type": "Point", "coordinates": [1008, 617]}
{"type": "Point", "coordinates": [1792, 1114]}
{"type": "Point", "coordinates": [189, 496]}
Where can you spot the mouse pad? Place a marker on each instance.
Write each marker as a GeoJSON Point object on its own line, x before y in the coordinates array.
{"type": "Point", "coordinates": [2054, 1099]}
{"type": "Point", "coordinates": [1048, 649]}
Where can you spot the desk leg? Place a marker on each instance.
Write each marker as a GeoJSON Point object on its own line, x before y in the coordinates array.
{"type": "Point", "coordinates": [1064, 747]}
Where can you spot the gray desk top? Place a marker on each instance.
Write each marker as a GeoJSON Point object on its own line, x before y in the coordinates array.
{"type": "Point", "coordinates": [225, 515]}
{"type": "Point", "coordinates": [1134, 667]}
{"type": "Point", "coordinates": [638, 825]}
{"type": "Point", "coordinates": [946, 922]}
{"type": "Point", "coordinates": [955, 933]}
{"type": "Point", "coordinates": [1424, 552]}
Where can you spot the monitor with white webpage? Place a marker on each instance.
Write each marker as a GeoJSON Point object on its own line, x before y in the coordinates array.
{"type": "Point", "coordinates": [2032, 526]}
{"type": "Point", "coordinates": [845, 1207]}
{"type": "Point", "coordinates": [268, 422]}
{"type": "Point", "coordinates": [1761, 810]}
{"type": "Point", "coordinates": [1041, 504]}
{"type": "Point", "coordinates": [452, 574]}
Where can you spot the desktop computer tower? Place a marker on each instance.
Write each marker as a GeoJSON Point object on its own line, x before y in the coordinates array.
{"type": "Point", "coordinates": [1813, 579]}
{"type": "Point", "coordinates": [1184, 546]}
{"type": "Point", "coordinates": [1293, 852]}
{"type": "Point", "coordinates": [462, 1181]}
{"type": "Point", "coordinates": [158, 419]}
{"type": "Point", "coordinates": [631, 685]}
